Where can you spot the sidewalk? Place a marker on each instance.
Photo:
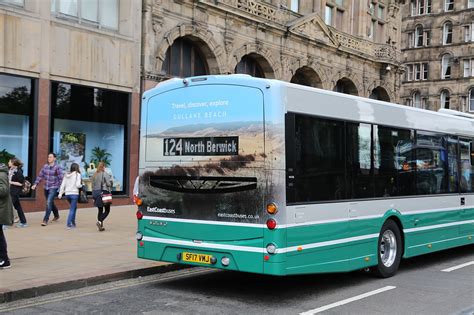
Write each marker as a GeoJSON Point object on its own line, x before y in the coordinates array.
{"type": "Point", "coordinates": [51, 259]}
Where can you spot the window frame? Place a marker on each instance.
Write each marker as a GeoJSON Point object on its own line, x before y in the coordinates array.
{"type": "Point", "coordinates": [55, 11]}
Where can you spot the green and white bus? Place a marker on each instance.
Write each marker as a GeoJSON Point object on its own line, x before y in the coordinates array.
{"type": "Point", "coordinates": [269, 177]}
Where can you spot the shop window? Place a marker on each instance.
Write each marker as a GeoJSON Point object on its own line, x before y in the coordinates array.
{"type": "Point", "coordinates": [16, 120]}
{"type": "Point", "coordinates": [103, 13]}
{"type": "Point", "coordinates": [184, 59]}
{"type": "Point", "coordinates": [249, 65]}
{"type": "Point", "coordinates": [90, 125]}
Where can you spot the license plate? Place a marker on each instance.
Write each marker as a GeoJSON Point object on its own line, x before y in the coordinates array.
{"type": "Point", "coordinates": [197, 258]}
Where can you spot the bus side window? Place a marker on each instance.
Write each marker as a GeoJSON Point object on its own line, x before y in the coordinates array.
{"type": "Point", "coordinates": [465, 154]}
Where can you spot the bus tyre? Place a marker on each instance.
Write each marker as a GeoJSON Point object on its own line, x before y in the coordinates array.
{"type": "Point", "coordinates": [389, 250]}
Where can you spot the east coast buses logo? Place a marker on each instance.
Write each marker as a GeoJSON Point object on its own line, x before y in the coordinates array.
{"type": "Point", "coordinates": [160, 210]}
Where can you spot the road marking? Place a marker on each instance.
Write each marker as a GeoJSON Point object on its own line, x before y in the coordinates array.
{"type": "Point", "coordinates": [110, 286]}
{"type": "Point", "coordinates": [346, 301]}
{"type": "Point", "coordinates": [458, 267]}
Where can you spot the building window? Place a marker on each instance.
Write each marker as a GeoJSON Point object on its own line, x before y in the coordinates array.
{"type": "Point", "coordinates": [469, 33]}
{"type": "Point", "coordinates": [419, 7]}
{"type": "Point", "coordinates": [471, 100]}
{"type": "Point", "coordinates": [448, 5]}
{"type": "Point", "coordinates": [446, 63]}
{"type": "Point", "coordinates": [328, 15]}
{"type": "Point", "coordinates": [417, 71]}
{"type": "Point", "coordinates": [416, 100]}
{"type": "Point", "coordinates": [90, 125]}
{"type": "Point", "coordinates": [419, 36]}
{"type": "Point", "coordinates": [184, 59]}
{"type": "Point", "coordinates": [249, 65]}
{"type": "Point", "coordinates": [16, 120]}
{"type": "Point", "coordinates": [445, 98]}
{"type": "Point", "coordinates": [19, 3]}
{"type": "Point", "coordinates": [447, 33]}
{"type": "Point", "coordinates": [295, 4]}
{"type": "Point", "coordinates": [103, 13]}
{"type": "Point", "coordinates": [468, 68]}
{"type": "Point", "coordinates": [377, 15]}
{"type": "Point", "coordinates": [470, 4]}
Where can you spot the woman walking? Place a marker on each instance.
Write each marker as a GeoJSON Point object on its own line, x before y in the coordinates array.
{"type": "Point", "coordinates": [6, 214]}
{"type": "Point", "coordinates": [101, 183]}
{"type": "Point", "coordinates": [70, 185]}
{"type": "Point", "coordinates": [16, 178]}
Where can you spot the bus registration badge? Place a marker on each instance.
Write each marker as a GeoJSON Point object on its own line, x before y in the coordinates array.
{"type": "Point", "coordinates": [201, 146]}
{"type": "Point", "coordinates": [197, 258]}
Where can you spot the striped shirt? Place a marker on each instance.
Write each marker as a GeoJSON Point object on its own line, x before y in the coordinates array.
{"type": "Point", "coordinates": [53, 176]}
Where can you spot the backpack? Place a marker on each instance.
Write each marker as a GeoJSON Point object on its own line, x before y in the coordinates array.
{"type": "Point", "coordinates": [26, 187]}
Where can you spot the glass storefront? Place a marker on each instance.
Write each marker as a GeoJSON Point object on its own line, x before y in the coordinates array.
{"type": "Point", "coordinates": [16, 120]}
{"type": "Point", "coordinates": [90, 125]}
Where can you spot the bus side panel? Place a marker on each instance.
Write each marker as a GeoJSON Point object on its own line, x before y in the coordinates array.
{"type": "Point", "coordinates": [430, 232]}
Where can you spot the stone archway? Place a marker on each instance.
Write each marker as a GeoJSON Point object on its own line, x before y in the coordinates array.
{"type": "Point", "coordinates": [307, 76]}
{"type": "Point", "coordinates": [270, 68]}
{"type": "Point", "coordinates": [211, 51]}
{"type": "Point", "coordinates": [379, 93]}
{"type": "Point", "coordinates": [346, 86]}
{"type": "Point", "coordinates": [255, 65]}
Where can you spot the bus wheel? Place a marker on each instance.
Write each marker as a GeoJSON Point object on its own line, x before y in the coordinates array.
{"type": "Point", "coordinates": [389, 250]}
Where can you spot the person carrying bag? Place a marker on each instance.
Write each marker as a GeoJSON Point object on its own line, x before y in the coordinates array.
{"type": "Point", "coordinates": [101, 192]}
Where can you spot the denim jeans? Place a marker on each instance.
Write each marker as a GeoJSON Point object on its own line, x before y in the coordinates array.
{"type": "Point", "coordinates": [71, 219]}
{"type": "Point", "coordinates": [50, 194]}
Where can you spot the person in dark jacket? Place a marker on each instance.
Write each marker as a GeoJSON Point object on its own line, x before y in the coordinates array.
{"type": "Point", "coordinates": [16, 184]}
{"type": "Point", "coordinates": [6, 214]}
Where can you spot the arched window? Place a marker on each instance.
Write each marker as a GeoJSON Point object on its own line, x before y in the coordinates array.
{"type": "Point", "coordinates": [446, 62]}
{"type": "Point", "coordinates": [471, 100]}
{"type": "Point", "coordinates": [184, 59]}
{"type": "Point", "coordinates": [249, 65]}
{"type": "Point", "coordinates": [419, 36]}
{"type": "Point", "coordinates": [445, 98]}
{"type": "Point", "coordinates": [416, 100]}
{"type": "Point", "coordinates": [447, 33]}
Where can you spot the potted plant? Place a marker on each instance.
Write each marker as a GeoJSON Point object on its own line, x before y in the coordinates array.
{"type": "Point", "coordinates": [98, 155]}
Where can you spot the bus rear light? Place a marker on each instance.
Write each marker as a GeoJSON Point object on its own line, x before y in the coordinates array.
{"type": "Point", "coordinates": [225, 261]}
{"type": "Point", "coordinates": [139, 215]}
{"type": "Point", "coordinates": [142, 243]}
{"type": "Point", "coordinates": [272, 208]}
{"type": "Point", "coordinates": [271, 248]}
{"type": "Point", "coordinates": [271, 224]}
{"type": "Point", "coordinates": [139, 236]}
{"type": "Point", "coordinates": [137, 200]}
{"type": "Point", "coordinates": [266, 257]}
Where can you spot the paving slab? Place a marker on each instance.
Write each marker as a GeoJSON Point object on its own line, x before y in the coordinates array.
{"type": "Point", "coordinates": [51, 258]}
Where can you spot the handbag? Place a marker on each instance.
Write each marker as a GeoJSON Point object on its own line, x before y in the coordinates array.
{"type": "Point", "coordinates": [106, 198]}
{"type": "Point", "coordinates": [82, 193]}
{"type": "Point", "coordinates": [106, 195]}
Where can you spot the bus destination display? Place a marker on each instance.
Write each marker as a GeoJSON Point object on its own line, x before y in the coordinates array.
{"type": "Point", "coordinates": [201, 146]}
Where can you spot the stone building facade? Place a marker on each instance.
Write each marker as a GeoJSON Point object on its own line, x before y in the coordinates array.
{"type": "Point", "coordinates": [438, 54]}
{"type": "Point", "coordinates": [70, 84]}
{"type": "Point", "coordinates": [348, 46]}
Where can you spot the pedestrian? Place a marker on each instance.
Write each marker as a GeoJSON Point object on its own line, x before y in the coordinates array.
{"type": "Point", "coordinates": [101, 183]}
{"type": "Point", "coordinates": [70, 185]}
{"type": "Point", "coordinates": [17, 179]}
{"type": "Point", "coordinates": [6, 214]}
{"type": "Point", "coordinates": [53, 176]}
